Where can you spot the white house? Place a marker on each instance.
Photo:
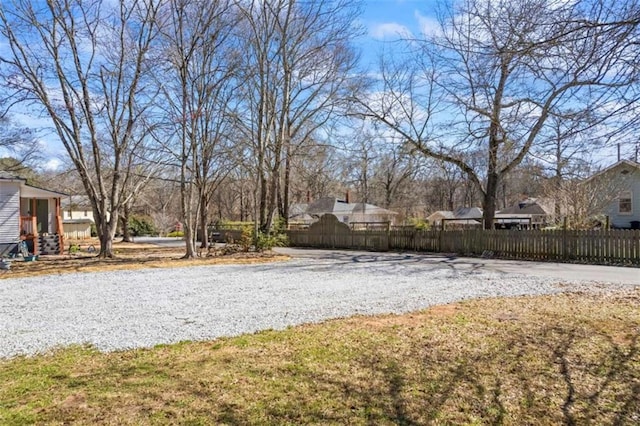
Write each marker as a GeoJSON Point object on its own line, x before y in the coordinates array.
{"type": "Point", "coordinates": [31, 214]}
{"type": "Point", "coordinates": [352, 214]}
{"type": "Point", "coordinates": [77, 216]}
{"type": "Point", "coordinates": [618, 187]}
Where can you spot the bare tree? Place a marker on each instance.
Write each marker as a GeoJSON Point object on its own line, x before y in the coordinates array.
{"type": "Point", "coordinates": [564, 154]}
{"type": "Point", "coordinates": [84, 63]}
{"type": "Point", "coordinates": [585, 202]}
{"type": "Point", "coordinates": [494, 73]}
{"type": "Point", "coordinates": [395, 168]}
{"type": "Point", "coordinates": [18, 143]}
{"type": "Point", "coordinates": [315, 172]}
{"type": "Point", "coordinates": [196, 81]}
{"type": "Point", "coordinates": [359, 160]}
{"type": "Point", "coordinates": [161, 199]}
{"type": "Point", "coordinates": [141, 164]}
{"type": "Point", "coordinates": [297, 75]}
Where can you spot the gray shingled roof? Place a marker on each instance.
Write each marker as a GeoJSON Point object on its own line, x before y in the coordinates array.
{"type": "Point", "coordinates": [468, 213]}
{"type": "Point", "coordinates": [337, 207]}
{"type": "Point", "coordinates": [76, 201]}
{"type": "Point", "coordinates": [10, 176]}
{"type": "Point", "coordinates": [528, 206]}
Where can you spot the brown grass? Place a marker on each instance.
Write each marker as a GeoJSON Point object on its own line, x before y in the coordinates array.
{"type": "Point", "coordinates": [567, 359]}
{"type": "Point", "coordinates": [127, 256]}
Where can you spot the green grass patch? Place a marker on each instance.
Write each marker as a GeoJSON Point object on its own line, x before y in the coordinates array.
{"type": "Point", "coordinates": [567, 359]}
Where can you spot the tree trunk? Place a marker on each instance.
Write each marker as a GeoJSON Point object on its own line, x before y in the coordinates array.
{"type": "Point", "coordinates": [124, 222]}
{"type": "Point", "coordinates": [271, 205]}
{"type": "Point", "coordinates": [106, 231]}
{"type": "Point", "coordinates": [489, 203]}
{"type": "Point", "coordinates": [186, 201]}
{"type": "Point", "coordinates": [106, 246]}
{"type": "Point", "coordinates": [286, 189]}
{"type": "Point", "coordinates": [204, 219]}
{"type": "Point", "coordinates": [557, 190]}
{"type": "Point", "coordinates": [242, 202]}
{"type": "Point", "coordinates": [262, 202]}
{"type": "Point", "coordinates": [190, 249]}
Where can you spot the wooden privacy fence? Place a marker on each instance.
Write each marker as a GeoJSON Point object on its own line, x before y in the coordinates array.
{"type": "Point", "coordinates": [605, 246]}
{"type": "Point", "coordinates": [329, 232]}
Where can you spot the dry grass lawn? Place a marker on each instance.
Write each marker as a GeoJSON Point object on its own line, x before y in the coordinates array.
{"type": "Point", "coordinates": [567, 359]}
{"type": "Point", "coordinates": [127, 256]}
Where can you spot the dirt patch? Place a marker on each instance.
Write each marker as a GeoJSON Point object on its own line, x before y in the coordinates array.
{"type": "Point", "coordinates": [127, 256]}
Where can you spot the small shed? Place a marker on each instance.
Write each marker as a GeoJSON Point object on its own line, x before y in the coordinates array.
{"type": "Point", "coordinates": [77, 229]}
{"type": "Point", "coordinates": [461, 217]}
{"type": "Point", "coordinates": [530, 212]}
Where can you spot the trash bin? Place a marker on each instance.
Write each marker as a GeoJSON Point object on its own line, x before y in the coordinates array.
{"type": "Point", "coordinates": [635, 224]}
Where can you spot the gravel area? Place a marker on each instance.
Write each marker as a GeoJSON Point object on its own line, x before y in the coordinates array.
{"type": "Point", "coordinates": [129, 309]}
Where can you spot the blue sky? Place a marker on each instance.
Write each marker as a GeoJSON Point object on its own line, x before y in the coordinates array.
{"type": "Point", "coordinates": [389, 20]}
{"type": "Point", "coordinates": [386, 21]}
{"type": "Point", "coordinates": [387, 17]}
{"type": "Point", "coordinates": [383, 20]}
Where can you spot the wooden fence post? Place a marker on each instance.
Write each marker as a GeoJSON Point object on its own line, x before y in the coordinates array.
{"type": "Point", "coordinates": [565, 251]}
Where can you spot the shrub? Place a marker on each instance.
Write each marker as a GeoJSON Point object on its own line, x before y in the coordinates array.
{"type": "Point", "coordinates": [246, 239]}
{"type": "Point", "coordinates": [228, 224]}
{"type": "Point", "coordinates": [175, 234]}
{"type": "Point", "coordinates": [141, 225]}
{"type": "Point", "coordinates": [421, 224]}
{"type": "Point", "coordinates": [266, 241]}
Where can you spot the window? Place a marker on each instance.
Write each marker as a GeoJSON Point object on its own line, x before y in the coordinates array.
{"type": "Point", "coordinates": [86, 213]}
{"type": "Point", "coordinates": [625, 203]}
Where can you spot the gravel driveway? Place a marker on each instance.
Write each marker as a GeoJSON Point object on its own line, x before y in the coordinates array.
{"type": "Point", "coordinates": [128, 309]}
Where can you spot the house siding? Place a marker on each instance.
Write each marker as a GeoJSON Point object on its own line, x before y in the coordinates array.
{"type": "Point", "coordinates": [77, 231]}
{"type": "Point", "coordinates": [618, 220]}
{"type": "Point", "coordinates": [9, 212]}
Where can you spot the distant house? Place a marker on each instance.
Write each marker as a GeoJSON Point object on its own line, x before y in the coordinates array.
{"type": "Point", "coordinates": [436, 218]}
{"type": "Point", "coordinates": [618, 189]}
{"type": "Point", "coordinates": [531, 212]}
{"type": "Point", "coordinates": [77, 217]}
{"type": "Point", "coordinates": [460, 217]}
{"type": "Point", "coordinates": [346, 212]}
{"type": "Point", "coordinates": [30, 214]}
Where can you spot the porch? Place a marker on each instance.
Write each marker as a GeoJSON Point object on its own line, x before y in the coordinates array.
{"type": "Point", "coordinates": [41, 221]}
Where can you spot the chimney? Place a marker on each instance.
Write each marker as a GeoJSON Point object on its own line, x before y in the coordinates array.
{"type": "Point", "coordinates": [346, 197]}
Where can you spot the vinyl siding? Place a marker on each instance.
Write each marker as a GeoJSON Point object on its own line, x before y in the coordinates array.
{"type": "Point", "coordinates": [9, 211]}
{"type": "Point", "coordinates": [624, 220]}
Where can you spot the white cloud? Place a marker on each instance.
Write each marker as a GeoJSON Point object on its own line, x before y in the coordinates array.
{"type": "Point", "coordinates": [428, 26]}
{"type": "Point", "coordinates": [34, 122]}
{"type": "Point", "coordinates": [389, 30]}
{"type": "Point", "coordinates": [52, 164]}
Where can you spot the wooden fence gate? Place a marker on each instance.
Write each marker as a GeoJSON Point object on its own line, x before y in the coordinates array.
{"type": "Point", "coordinates": [329, 232]}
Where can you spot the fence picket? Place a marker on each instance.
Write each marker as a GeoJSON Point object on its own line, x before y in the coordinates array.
{"type": "Point", "coordinates": [602, 246]}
